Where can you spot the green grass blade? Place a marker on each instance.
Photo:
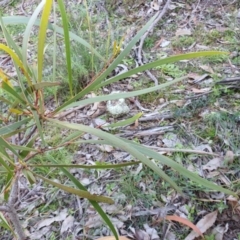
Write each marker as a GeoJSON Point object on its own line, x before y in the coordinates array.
{"type": "Point", "coordinates": [113, 140]}
{"type": "Point", "coordinates": [42, 37]}
{"type": "Point", "coordinates": [67, 45]}
{"type": "Point", "coordinates": [80, 193]}
{"type": "Point", "coordinates": [124, 122]}
{"type": "Point", "coordinates": [12, 127]}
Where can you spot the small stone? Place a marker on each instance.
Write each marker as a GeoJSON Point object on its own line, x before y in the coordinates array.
{"type": "Point", "coordinates": [161, 100]}
{"type": "Point", "coordinates": [117, 107]}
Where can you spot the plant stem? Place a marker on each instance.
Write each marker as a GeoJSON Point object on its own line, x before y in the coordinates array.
{"type": "Point", "coordinates": [12, 211]}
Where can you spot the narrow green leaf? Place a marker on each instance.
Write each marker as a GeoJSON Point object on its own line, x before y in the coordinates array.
{"type": "Point", "coordinates": [113, 140]}
{"type": "Point", "coordinates": [2, 162]}
{"type": "Point", "coordinates": [8, 183]}
{"type": "Point", "coordinates": [2, 99]}
{"type": "Point", "coordinates": [179, 168]}
{"type": "Point", "coordinates": [72, 137]}
{"type": "Point", "coordinates": [69, 103]}
{"type": "Point", "coordinates": [94, 203]}
{"type": "Point", "coordinates": [13, 93]}
{"type": "Point", "coordinates": [80, 193]}
{"type": "Point", "coordinates": [4, 224]}
{"type": "Point", "coordinates": [121, 95]}
{"type": "Point", "coordinates": [42, 85]}
{"type": "Point", "coordinates": [29, 176]}
{"type": "Point", "coordinates": [17, 147]}
{"type": "Point", "coordinates": [170, 163]}
{"type": "Point", "coordinates": [124, 122]}
{"type": "Point", "coordinates": [110, 68]}
{"type": "Point", "coordinates": [67, 44]}
{"type": "Point", "coordinates": [27, 33]}
{"type": "Point", "coordinates": [15, 132]}
{"type": "Point", "coordinates": [42, 36]}
{"type": "Point", "coordinates": [12, 127]}
{"type": "Point", "coordinates": [39, 126]}
{"type": "Point", "coordinates": [11, 43]}
{"type": "Point", "coordinates": [5, 144]}
{"type": "Point", "coordinates": [154, 64]}
{"type": "Point", "coordinates": [103, 166]}
{"type": "Point", "coordinates": [29, 145]}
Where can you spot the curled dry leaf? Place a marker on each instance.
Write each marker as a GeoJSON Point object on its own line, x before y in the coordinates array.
{"type": "Point", "coordinates": [207, 69]}
{"type": "Point", "coordinates": [183, 32]}
{"type": "Point", "coordinates": [203, 225]}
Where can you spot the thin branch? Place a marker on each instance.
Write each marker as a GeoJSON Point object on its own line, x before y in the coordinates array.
{"type": "Point", "coordinates": [16, 223]}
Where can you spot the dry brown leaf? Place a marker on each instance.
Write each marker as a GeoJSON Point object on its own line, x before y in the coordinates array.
{"type": "Point", "coordinates": [203, 225]}
{"type": "Point", "coordinates": [202, 90]}
{"type": "Point", "coordinates": [233, 201]}
{"type": "Point", "coordinates": [170, 236]}
{"type": "Point", "coordinates": [67, 224]}
{"type": "Point", "coordinates": [229, 157]}
{"type": "Point", "coordinates": [185, 222]}
{"type": "Point", "coordinates": [193, 75]}
{"type": "Point", "coordinates": [141, 235]}
{"type": "Point", "coordinates": [207, 69]}
{"type": "Point", "coordinates": [213, 164]}
{"type": "Point", "coordinates": [113, 238]}
{"type": "Point", "coordinates": [151, 232]}
{"type": "Point", "coordinates": [183, 32]}
{"type": "Point", "coordinates": [155, 5]}
{"type": "Point", "coordinates": [48, 221]}
{"type": "Point", "coordinates": [219, 231]}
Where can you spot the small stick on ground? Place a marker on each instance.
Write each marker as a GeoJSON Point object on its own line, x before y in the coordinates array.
{"type": "Point", "coordinates": [140, 46]}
